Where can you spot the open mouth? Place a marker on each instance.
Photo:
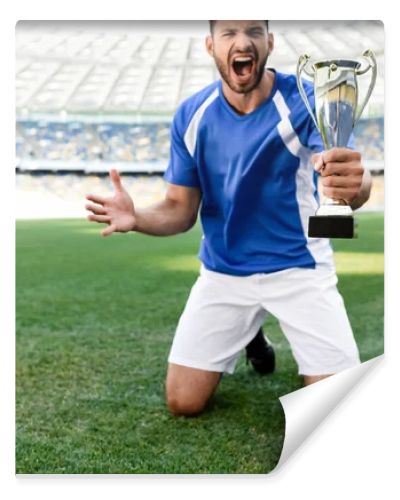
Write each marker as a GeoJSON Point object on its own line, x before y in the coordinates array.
{"type": "Point", "coordinates": [243, 65]}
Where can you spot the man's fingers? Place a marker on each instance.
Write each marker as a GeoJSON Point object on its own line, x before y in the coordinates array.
{"type": "Point", "coordinates": [315, 157]}
{"type": "Point", "coordinates": [318, 161]}
{"type": "Point", "coordinates": [349, 181]}
{"type": "Point", "coordinates": [97, 199]}
{"type": "Point", "coordinates": [99, 218]}
{"type": "Point", "coordinates": [341, 155]}
{"type": "Point", "coordinates": [347, 194]}
{"type": "Point", "coordinates": [108, 230]}
{"type": "Point", "coordinates": [334, 155]}
{"type": "Point", "coordinates": [116, 180]}
{"type": "Point", "coordinates": [96, 209]}
{"type": "Point", "coordinates": [339, 168]}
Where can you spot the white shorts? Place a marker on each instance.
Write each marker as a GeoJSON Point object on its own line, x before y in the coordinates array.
{"type": "Point", "coordinates": [224, 313]}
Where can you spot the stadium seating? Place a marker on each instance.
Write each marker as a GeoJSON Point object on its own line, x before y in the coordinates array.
{"type": "Point", "coordinates": [129, 142]}
{"type": "Point", "coordinates": [150, 67]}
{"type": "Point", "coordinates": [76, 141]}
{"type": "Point", "coordinates": [369, 139]}
{"type": "Point", "coordinates": [93, 95]}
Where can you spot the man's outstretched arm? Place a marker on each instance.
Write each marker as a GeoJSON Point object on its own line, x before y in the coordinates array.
{"type": "Point", "coordinates": [175, 214]}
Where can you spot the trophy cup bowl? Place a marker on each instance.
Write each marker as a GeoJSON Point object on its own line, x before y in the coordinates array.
{"type": "Point", "coordinates": [336, 113]}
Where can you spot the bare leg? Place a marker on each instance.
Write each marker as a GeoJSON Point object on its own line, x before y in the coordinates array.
{"type": "Point", "coordinates": [311, 379]}
{"type": "Point", "coordinates": [189, 389]}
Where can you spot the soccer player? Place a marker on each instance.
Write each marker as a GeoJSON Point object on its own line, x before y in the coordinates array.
{"type": "Point", "coordinates": [245, 150]}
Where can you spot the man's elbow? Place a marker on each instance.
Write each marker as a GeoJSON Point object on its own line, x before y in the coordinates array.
{"type": "Point", "coordinates": [189, 223]}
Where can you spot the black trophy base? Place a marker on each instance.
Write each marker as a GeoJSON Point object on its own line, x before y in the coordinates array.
{"type": "Point", "coordinates": [331, 226]}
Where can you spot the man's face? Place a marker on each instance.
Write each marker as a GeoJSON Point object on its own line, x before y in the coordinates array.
{"type": "Point", "coordinates": [240, 50]}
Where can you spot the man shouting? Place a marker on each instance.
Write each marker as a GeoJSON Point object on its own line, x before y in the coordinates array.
{"type": "Point", "coordinates": [246, 151]}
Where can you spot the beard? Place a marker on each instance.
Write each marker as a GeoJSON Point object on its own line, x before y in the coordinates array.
{"type": "Point", "coordinates": [223, 70]}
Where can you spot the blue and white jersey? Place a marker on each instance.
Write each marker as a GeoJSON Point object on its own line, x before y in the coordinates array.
{"type": "Point", "coordinates": [257, 182]}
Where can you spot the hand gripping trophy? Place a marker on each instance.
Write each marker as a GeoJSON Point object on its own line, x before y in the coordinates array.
{"type": "Point", "coordinates": [337, 112]}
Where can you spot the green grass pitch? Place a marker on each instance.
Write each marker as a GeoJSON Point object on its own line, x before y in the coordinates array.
{"type": "Point", "coordinates": [95, 319]}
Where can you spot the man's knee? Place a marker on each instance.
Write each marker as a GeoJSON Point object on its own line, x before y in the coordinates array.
{"type": "Point", "coordinates": [189, 389]}
{"type": "Point", "coordinates": [184, 404]}
{"type": "Point", "coordinates": [311, 379]}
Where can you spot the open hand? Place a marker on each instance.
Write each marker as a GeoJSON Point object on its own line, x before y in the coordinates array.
{"type": "Point", "coordinates": [117, 211]}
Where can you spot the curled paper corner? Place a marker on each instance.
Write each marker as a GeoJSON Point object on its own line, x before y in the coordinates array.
{"type": "Point", "coordinates": [308, 407]}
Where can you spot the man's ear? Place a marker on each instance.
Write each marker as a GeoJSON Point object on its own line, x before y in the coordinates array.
{"type": "Point", "coordinates": [210, 45]}
{"type": "Point", "coordinates": [270, 42]}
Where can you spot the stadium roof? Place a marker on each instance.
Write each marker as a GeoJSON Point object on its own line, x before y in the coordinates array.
{"type": "Point", "coordinates": [146, 67]}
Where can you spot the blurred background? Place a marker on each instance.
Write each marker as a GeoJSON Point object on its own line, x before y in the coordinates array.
{"type": "Point", "coordinates": [96, 95]}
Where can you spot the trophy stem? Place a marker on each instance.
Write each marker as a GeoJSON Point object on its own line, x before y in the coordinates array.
{"type": "Point", "coordinates": [328, 209]}
{"type": "Point", "coordinates": [333, 219]}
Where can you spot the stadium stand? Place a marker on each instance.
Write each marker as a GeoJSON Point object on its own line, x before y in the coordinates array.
{"type": "Point", "coordinates": [95, 95]}
{"type": "Point", "coordinates": [150, 67]}
{"type": "Point", "coordinates": [369, 140]}
{"type": "Point", "coordinates": [76, 141]}
{"type": "Point", "coordinates": [121, 142]}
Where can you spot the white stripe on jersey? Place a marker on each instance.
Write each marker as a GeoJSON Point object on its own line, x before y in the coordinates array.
{"type": "Point", "coordinates": [319, 248]}
{"type": "Point", "coordinates": [190, 137]}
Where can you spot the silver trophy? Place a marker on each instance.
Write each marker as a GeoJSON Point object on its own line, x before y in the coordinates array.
{"type": "Point", "coordinates": [337, 112]}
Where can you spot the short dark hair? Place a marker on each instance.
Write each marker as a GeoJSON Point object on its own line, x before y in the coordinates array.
{"type": "Point", "coordinates": [212, 24]}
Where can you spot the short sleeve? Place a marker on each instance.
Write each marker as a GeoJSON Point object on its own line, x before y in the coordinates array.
{"type": "Point", "coordinates": [182, 169]}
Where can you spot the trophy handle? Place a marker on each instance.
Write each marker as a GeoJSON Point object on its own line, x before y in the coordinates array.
{"type": "Point", "coordinates": [370, 57]}
{"type": "Point", "coordinates": [301, 66]}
